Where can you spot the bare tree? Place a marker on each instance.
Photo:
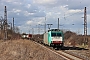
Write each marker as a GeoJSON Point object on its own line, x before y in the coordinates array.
{"type": "Point", "coordinates": [16, 30]}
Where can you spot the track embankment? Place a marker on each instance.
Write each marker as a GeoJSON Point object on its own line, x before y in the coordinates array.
{"type": "Point", "coordinates": [25, 50]}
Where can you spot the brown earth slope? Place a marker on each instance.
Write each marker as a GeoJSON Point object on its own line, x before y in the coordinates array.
{"type": "Point", "coordinates": [72, 39]}
{"type": "Point", "coordinates": [24, 50]}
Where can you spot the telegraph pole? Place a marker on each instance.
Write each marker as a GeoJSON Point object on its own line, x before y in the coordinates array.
{"type": "Point", "coordinates": [58, 23]}
{"type": "Point", "coordinates": [45, 24]}
{"type": "Point", "coordinates": [38, 28]}
{"type": "Point", "coordinates": [85, 27]}
{"type": "Point", "coordinates": [5, 24]}
{"type": "Point", "coordinates": [1, 24]}
{"type": "Point", "coordinates": [13, 23]}
{"type": "Point", "coordinates": [32, 32]}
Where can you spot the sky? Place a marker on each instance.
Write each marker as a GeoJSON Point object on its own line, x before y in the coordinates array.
{"type": "Point", "coordinates": [31, 15]}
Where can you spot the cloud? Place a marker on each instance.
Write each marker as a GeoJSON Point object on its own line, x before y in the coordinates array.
{"type": "Point", "coordinates": [74, 11]}
{"type": "Point", "coordinates": [44, 1]}
{"type": "Point", "coordinates": [28, 5]}
{"type": "Point", "coordinates": [16, 10]}
{"type": "Point", "coordinates": [30, 22]}
{"type": "Point", "coordinates": [33, 12]}
{"type": "Point", "coordinates": [26, 13]}
{"type": "Point", "coordinates": [39, 14]}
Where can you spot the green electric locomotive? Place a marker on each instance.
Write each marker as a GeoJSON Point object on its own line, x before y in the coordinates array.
{"type": "Point", "coordinates": [54, 38]}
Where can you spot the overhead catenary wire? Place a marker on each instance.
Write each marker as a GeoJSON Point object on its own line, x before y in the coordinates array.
{"type": "Point", "coordinates": [74, 13]}
{"type": "Point", "coordinates": [70, 15]}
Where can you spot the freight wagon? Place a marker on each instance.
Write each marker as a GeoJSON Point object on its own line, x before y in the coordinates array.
{"type": "Point", "coordinates": [27, 36]}
{"type": "Point", "coordinates": [54, 38]}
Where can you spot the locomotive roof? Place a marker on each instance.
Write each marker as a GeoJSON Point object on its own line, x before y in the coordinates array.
{"type": "Point", "coordinates": [54, 30]}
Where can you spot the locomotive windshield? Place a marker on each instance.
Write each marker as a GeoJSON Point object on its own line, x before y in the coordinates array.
{"type": "Point", "coordinates": [55, 34]}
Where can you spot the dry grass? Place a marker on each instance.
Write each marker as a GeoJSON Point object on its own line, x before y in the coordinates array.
{"type": "Point", "coordinates": [24, 50]}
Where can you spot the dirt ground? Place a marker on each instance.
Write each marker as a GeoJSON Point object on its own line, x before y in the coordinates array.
{"type": "Point", "coordinates": [24, 50]}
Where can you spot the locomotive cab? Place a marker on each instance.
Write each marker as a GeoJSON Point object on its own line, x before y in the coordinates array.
{"type": "Point", "coordinates": [54, 38]}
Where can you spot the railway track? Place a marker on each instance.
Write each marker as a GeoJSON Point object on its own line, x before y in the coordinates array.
{"type": "Point", "coordinates": [79, 54]}
{"type": "Point", "coordinates": [69, 56]}
{"type": "Point", "coordinates": [63, 54]}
